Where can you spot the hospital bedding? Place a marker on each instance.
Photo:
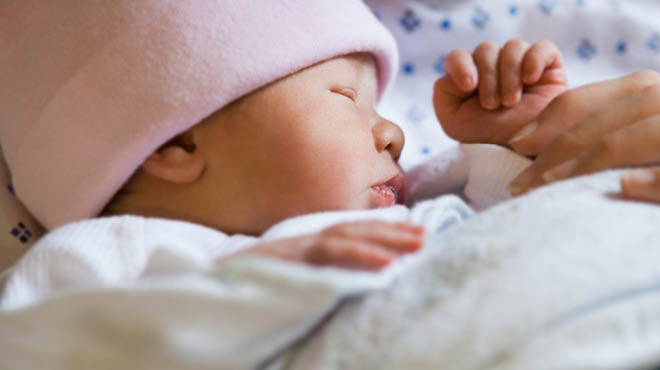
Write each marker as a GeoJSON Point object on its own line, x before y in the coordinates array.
{"type": "Point", "coordinates": [485, 294]}
{"type": "Point", "coordinates": [564, 278]}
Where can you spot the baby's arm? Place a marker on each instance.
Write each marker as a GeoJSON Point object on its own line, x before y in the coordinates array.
{"type": "Point", "coordinates": [368, 245]}
{"type": "Point", "coordinates": [490, 95]}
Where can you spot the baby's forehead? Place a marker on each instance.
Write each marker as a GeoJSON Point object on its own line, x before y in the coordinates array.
{"type": "Point", "coordinates": [359, 68]}
{"type": "Point", "coordinates": [360, 63]}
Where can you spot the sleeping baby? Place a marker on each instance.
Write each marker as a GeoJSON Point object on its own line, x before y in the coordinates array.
{"type": "Point", "coordinates": [145, 119]}
{"type": "Point", "coordinates": [221, 193]}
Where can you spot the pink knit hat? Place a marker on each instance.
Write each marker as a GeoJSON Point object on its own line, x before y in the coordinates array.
{"type": "Point", "coordinates": [91, 87]}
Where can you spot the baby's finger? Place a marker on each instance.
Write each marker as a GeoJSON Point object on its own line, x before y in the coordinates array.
{"type": "Point", "coordinates": [462, 70]}
{"type": "Point", "coordinates": [350, 253]}
{"type": "Point", "coordinates": [400, 237]}
{"type": "Point", "coordinates": [510, 65]}
{"type": "Point", "coordinates": [540, 56]}
{"type": "Point", "coordinates": [641, 184]}
{"type": "Point", "coordinates": [485, 57]}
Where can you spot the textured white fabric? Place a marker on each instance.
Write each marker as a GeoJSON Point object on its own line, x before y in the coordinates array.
{"type": "Point", "coordinates": [495, 288]}
{"type": "Point", "coordinates": [114, 251]}
{"type": "Point", "coordinates": [551, 280]}
{"type": "Point", "coordinates": [479, 172]}
{"type": "Point", "coordinates": [408, 103]}
{"type": "Point", "coordinates": [144, 293]}
{"type": "Point", "coordinates": [106, 282]}
{"type": "Point", "coordinates": [565, 278]}
{"type": "Point", "coordinates": [120, 250]}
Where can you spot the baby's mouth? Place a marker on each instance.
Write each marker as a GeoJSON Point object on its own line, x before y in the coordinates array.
{"type": "Point", "coordinates": [390, 192]}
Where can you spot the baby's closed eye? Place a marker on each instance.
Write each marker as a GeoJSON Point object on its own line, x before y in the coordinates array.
{"type": "Point", "coordinates": [348, 92]}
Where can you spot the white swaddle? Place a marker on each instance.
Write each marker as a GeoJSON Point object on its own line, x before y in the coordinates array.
{"type": "Point", "coordinates": [561, 279]}
{"type": "Point", "coordinates": [565, 278]}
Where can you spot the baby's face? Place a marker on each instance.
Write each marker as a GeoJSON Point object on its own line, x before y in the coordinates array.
{"type": "Point", "coordinates": [307, 143]}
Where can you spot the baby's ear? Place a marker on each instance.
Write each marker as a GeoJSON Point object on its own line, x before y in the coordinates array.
{"type": "Point", "coordinates": [178, 161]}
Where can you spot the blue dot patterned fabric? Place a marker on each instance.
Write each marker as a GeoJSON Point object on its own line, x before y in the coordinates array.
{"type": "Point", "coordinates": [600, 39]}
{"type": "Point", "coordinates": [18, 230]}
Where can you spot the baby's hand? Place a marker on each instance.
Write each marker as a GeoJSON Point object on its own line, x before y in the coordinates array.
{"type": "Point", "coordinates": [366, 245]}
{"type": "Point", "coordinates": [490, 95]}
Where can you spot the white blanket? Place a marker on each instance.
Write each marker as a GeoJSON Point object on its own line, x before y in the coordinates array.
{"type": "Point", "coordinates": [565, 278]}
{"type": "Point", "coordinates": [135, 293]}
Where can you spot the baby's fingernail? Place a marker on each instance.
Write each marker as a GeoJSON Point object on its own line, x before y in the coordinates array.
{"type": "Point", "coordinates": [528, 76]}
{"type": "Point", "coordinates": [467, 82]}
{"type": "Point", "coordinates": [508, 99]}
{"type": "Point", "coordinates": [411, 227]}
{"type": "Point", "coordinates": [490, 102]}
{"type": "Point", "coordinates": [524, 132]}
{"type": "Point", "coordinates": [560, 172]}
{"type": "Point", "coordinates": [418, 229]}
{"type": "Point", "coordinates": [384, 259]}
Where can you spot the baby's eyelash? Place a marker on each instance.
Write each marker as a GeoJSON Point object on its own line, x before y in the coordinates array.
{"type": "Point", "coordinates": [346, 91]}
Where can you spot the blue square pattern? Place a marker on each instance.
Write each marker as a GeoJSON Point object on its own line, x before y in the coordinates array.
{"type": "Point", "coordinates": [409, 21]}
{"type": "Point", "coordinates": [480, 18]}
{"type": "Point", "coordinates": [586, 50]}
{"type": "Point", "coordinates": [21, 232]}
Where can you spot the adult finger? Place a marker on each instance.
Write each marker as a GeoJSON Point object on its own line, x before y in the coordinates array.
{"type": "Point", "coordinates": [635, 145]}
{"type": "Point", "coordinates": [460, 66]}
{"type": "Point", "coordinates": [486, 56]}
{"type": "Point", "coordinates": [641, 184]}
{"type": "Point", "coordinates": [582, 135]}
{"type": "Point", "coordinates": [510, 64]}
{"type": "Point", "coordinates": [539, 57]}
{"type": "Point", "coordinates": [576, 105]}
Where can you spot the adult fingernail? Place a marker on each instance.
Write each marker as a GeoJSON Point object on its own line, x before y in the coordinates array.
{"type": "Point", "coordinates": [638, 178]}
{"type": "Point", "coordinates": [520, 183]}
{"type": "Point", "coordinates": [515, 190]}
{"type": "Point", "coordinates": [524, 132]}
{"type": "Point", "coordinates": [560, 172]}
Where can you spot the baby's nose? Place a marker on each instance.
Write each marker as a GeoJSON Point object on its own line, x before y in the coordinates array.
{"type": "Point", "coordinates": [388, 136]}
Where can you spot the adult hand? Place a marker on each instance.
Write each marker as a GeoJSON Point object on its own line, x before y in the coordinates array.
{"type": "Point", "coordinates": [609, 124]}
